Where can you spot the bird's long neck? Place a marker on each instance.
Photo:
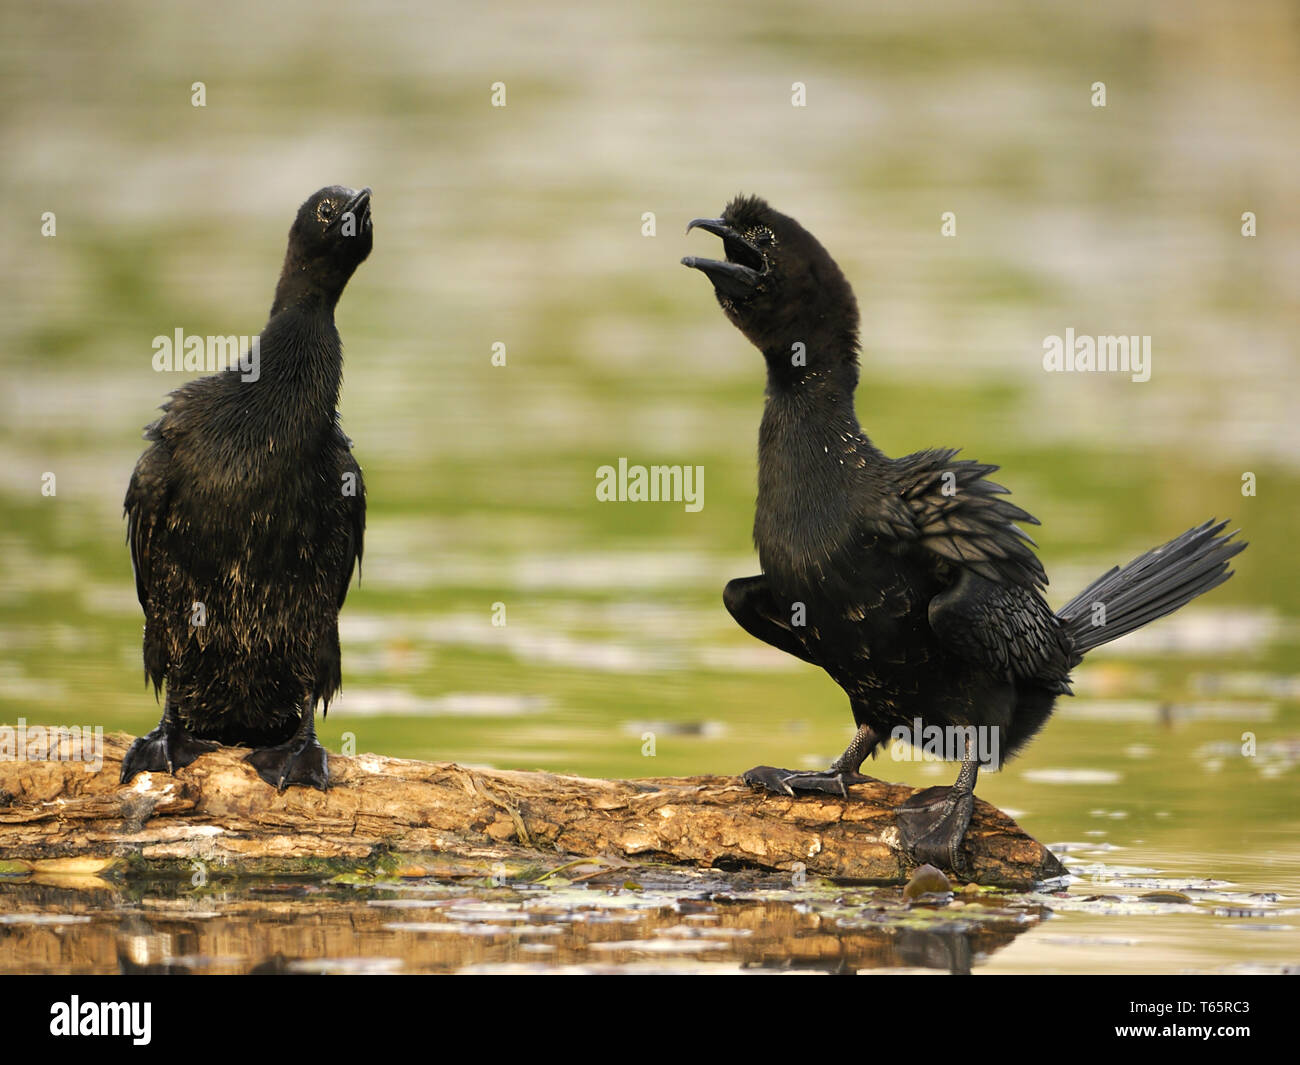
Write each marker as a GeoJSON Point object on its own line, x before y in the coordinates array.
{"type": "Point", "coordinates": [309, 287]}
{"type": "Point", "coordinates": [809, 412]}
{"type": "Point", "coordinates": [811, 457]}
{"type": "Point", "coordinates": [301, 371]}
{"type": "Point", "coordinates": [809, 439]}
{"type": "Point", "coordinates": [813, 460]}
{"type": "Point", "coordinates": [817, 405]}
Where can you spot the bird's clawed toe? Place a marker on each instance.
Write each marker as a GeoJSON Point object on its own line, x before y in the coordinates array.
{"type": "Point", "coordinates": [164, 750]}
{"type": "Point", "coordinates": [296, 762]}
{"type": "Point", "coordinates": [789, 782]}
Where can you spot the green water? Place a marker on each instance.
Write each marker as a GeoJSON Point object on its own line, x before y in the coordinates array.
{"type": "Point", "coordinates": [523, 225]}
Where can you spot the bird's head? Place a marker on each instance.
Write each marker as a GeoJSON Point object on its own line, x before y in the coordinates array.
{"type": "Point", "coordinates": [331, 236]}
{"type": "Point", "coordinates": [780, 288]}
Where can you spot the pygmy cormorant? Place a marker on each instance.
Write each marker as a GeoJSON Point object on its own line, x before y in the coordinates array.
{"type": "Point", "coordinates": [906, 579]}
{"type": "Point", "coordinates": [245, 518]}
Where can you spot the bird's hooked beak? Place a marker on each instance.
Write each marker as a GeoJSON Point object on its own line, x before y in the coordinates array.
{"type": "Point", "coordinates": [359, 208]}
{"type": "Point", "coordinates": [739, 275]}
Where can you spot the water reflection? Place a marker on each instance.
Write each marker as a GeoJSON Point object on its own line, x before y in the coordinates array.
{"type": "Point", "coordinates": [669, 921]}
{"type": "Point", "coordinates": [681, 922]}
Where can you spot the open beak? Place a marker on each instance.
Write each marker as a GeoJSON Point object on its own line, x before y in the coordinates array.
{"type": "Point", "coordinates": [735, 277]}
{"type": "Point", "coordinates": [717, 227]}
{"type": "Point", "coordinates": [359, 208]}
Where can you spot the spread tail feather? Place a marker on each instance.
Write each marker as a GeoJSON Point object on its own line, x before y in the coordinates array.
{"type": "Point", "coordinates": [1151, 586]}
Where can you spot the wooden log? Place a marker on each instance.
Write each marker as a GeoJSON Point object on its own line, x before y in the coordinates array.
{"type": "Point", "coordinates": [220, 812]}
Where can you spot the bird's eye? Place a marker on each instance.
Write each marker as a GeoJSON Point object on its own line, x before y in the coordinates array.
{"type": "Point", "coordinates": [762, 238]}
{"type": "Point", "coordinates": [325, 211]}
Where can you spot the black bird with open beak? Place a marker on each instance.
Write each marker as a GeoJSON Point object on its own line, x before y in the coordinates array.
{"type": "Point", "coordinates": [906, 579]}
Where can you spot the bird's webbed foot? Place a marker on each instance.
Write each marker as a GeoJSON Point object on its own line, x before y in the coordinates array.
{"type": "Point", "coordinates": [932, 825]}
{"type": "Point", "coordinates": [300, 761]}
{"type": "Point", "coordinates": [791, 782]}
{"type": "Point", "coordinates": [169, 747]}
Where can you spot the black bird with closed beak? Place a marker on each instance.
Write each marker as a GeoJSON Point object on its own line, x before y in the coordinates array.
{"type": "Point", "coordinates": [245, 519]}
{"type": "Point", "coordinates": [906, 579]}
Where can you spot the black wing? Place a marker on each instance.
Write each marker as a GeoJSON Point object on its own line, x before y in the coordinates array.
{"type": "Point", "coordinates": [145, 506]}
{"type": "Point", "coordinates": [1010, 631]}
{"type": "Point", "coordinates": [354, 493]}
{"type": "Point", "coordinates": [947, 506]}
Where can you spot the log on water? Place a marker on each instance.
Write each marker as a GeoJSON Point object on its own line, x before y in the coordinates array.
{"type": "Point", "coordinates": [60, 814]}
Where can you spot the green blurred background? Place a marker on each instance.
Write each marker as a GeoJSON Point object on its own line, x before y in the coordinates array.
{"type": "Point", "coordinates": [523, 225]}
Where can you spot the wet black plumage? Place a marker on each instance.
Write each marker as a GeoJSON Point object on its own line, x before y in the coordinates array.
{"type": "Point", "coordinates": [908, 579]}
{"type": "Point", "coordinates": [245, 520]}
